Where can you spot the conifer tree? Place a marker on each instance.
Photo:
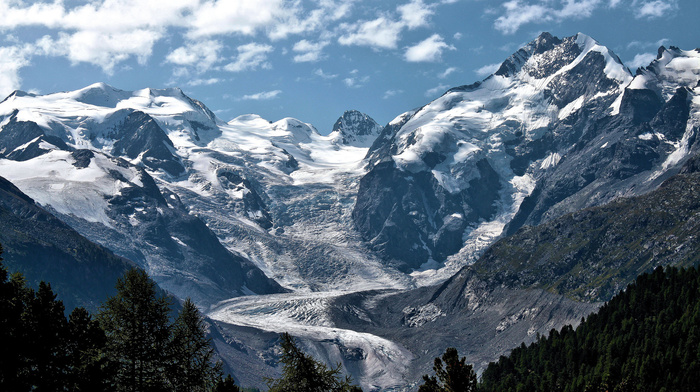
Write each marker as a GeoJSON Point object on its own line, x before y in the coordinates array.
{"type": "Point", "coordinates": [89, 371]}
{"type": "Point", "coordinates": [46, 340]}
{"type": "Point", "coordinates": [302, 373]}
{"type": "Point", "coordinates": [136, 324]}
{"type": "Point", "coordinates": [455, 376]}
{"type": "Point", "coordinates": [226, 385]}
{"type": "Point", "coordinates": [191, 367]}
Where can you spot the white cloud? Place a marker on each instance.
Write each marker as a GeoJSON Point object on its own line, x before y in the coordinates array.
{"type": "Point", "coordinates": [449, 71]}
{"type": "Point", "coordinates": [487, 70]}
{"type": "Point", "coordinates": [355, 81]}
{"type": "Point", "coordinates": [203, 82]}
{"type": "Point", "coordinates": [250, 57]}
{"type": "Point", "coordinates": [439, 89]}
{"type": "Point", "coordinates": [391, 93]}
{"type": "Point", "coordinates": [380, 33]}
{"type": "Point", "coordinates": [262, 96]}
{"type": "Point", "coordinates": [309, 51]}
{"type": "Point", "coordinates": [641, 60]}
{"type": "Point", "coordinates": [614, 3]}
{"type": "Point", "coordinates": [457, 36]}
{"type": "Point", "coordinates": [428, 50]}
{"type": "Point", "coordinates": [518, 13]}
{"type": "Point", "coordinates": [105, 50]}
{"type": "Point", "coordinates": [384, 32]}
{"type": "Point", "coordinates": [202, 54]}
{"type": "Point", "coordinates": [323, 75]}
{"type": "Point", "coordinates": [107, 32]}
{"type": "Point", "coordinates": [219, 17]}
{"type": "Point", "coordinates": [415, 14]}
{"type": "Point", "coordinates": [12, 59]}
{"type": "Point", "coordinates": [655, 9]}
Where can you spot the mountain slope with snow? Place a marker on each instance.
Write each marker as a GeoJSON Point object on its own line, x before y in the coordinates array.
{"type": "Point", "coordinates": [555, 129]}
{"type": "Point", "coordinates": [220, 211]}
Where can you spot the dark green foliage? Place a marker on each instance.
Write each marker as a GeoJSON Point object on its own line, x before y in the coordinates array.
{"type": "Point", "coordinates": [133, 346]}
{"type": "Point", "coordinates": [455, 376]}
{"type": "Point", "coordinates": [191, 353]}
{"type": "Point", "coordinates": [136, 323]}
{"type": "Point", "coordinates": [647, 338]}
{"type": "Point", "coordinates": [302, 373]}
{"type": "Point", "coordinates": [225, 385]}
{"type": "Point", "coordinates": [42, 350]}
{"type": "Point", "coordinates": [86, 353]}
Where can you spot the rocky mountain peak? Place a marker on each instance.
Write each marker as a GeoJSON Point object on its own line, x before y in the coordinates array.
{"type": "Point", "coordinates": [355, 128]}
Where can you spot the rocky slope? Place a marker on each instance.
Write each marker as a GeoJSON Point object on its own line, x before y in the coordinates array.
{"type": "Point", "coordinates": [216, 210]}
{"type": "Point", "coordinates": [41, 247]}
{"type": "Point", "coordinates": [562, 125]}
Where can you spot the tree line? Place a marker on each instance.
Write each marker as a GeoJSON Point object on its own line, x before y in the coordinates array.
{"type": "Point", "coordinates": [647, 338]}
{"type": "Point", "coordinates": [132, 344]}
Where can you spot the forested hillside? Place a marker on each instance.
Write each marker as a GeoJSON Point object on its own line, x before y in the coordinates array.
{"type": "Point", "coordinates": [647, 338]}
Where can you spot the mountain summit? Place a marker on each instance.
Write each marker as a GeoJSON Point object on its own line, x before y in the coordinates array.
{"type": "Point", "coordinates": [552, 131]}
{"type": "Point", "coordinates": [356, 129]}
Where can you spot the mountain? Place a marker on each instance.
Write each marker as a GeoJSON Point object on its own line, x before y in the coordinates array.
{"type": "Point", "coordinates": [540, 278]}
{"type": "Point", "coordinates": [562, 125]}
{"type": "Point", "coordinates": [41, 247]}
{"type": "Point", "coordinates": [356, 129]}
{"type": "Point", "coordinates": [327, 229]}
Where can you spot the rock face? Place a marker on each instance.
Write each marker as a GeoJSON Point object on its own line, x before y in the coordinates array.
{"type": "Point", "coordinates": [42, 247]}
{"type": "Point", "coordinates": [355, 129]}
{"type": "Point", "coordinates": [562, 125]}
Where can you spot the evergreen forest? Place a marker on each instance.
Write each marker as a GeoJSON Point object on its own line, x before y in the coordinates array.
{"type": "Point", "coordinates": [647, 338]}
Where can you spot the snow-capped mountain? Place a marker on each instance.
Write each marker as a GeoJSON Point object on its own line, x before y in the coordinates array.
{"type": "Point", "coordinates": [277, 195]}
{"type": "Point", "coordinates": [356, 129]}
{"type": "Point", "coordinates": [216, 210]}
{"type": "Point", "coordinates": [561, 125]}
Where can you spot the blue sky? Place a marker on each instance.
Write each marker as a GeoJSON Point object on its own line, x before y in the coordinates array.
{"type": "Point", "coordinates": [310, 59]}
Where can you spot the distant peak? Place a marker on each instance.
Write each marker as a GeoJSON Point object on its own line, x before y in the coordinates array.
{"type": "Point", "coordinates": [355, 128]}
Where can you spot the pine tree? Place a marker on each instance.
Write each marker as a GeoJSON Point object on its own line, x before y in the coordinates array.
{"type": "Point", "coordinates": [226, 385]}
{"type": "Point", "coordinates": [89, 371]}
{"type": "Point", "coordinates": [302, 373]}
{"type": "Point", "coordinates": [47, 337]}
{"type": "Point", "coordinates": [455, 376]}
{"type": "Point", "coordinates": [191, 367]}
{"type": "Point", "coordinates": [136, 324]}
{"type": "Point", "coordinates": [12, 333]}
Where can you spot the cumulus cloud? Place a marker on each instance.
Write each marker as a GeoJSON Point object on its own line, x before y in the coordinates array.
{"type": "Point", "coordinates": [12, 59]}
{"type": "Point", "coordinates": [439, 89]}
{"type": "Point", "coordinates": [391, 93]}
{"type": "Point", "coordinates": [415, 14]}
{"type": "Point", "coordinates": [449, 71]}
{"type": "Point", "coordinates": [641, 60]}
{"type": "Point", "coordinates": [323, 75]}
{"type": "Point", "coordinates": [380, 33]}
{"type": "Point", "coordinates": [203, 82]}
{"type": "Point", "coordinates": [309, 51]}
{"type": "Point", "coordinates": [107, 32]}
{"type": "Point", "coordinates": [250, 57]}
{"type": "Point", "coordinates": [654, 9]}
{"type": "Point", "coordinates": [428, 50]}
{"type": "Point", "coordinates": [487, 70]}
{"type": "Point", "coordinates": [242, 17]}
{"type": "Point", "coordinates": [262, 96]}
{"type": "Point", "coordinates": [355, 81]}
{"type": "Point", "coordinates": [519, 12]}
{"type": "Point", "coordinates": [384, 32]}
{"type": "Point", "coordinates": [202, 54]}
